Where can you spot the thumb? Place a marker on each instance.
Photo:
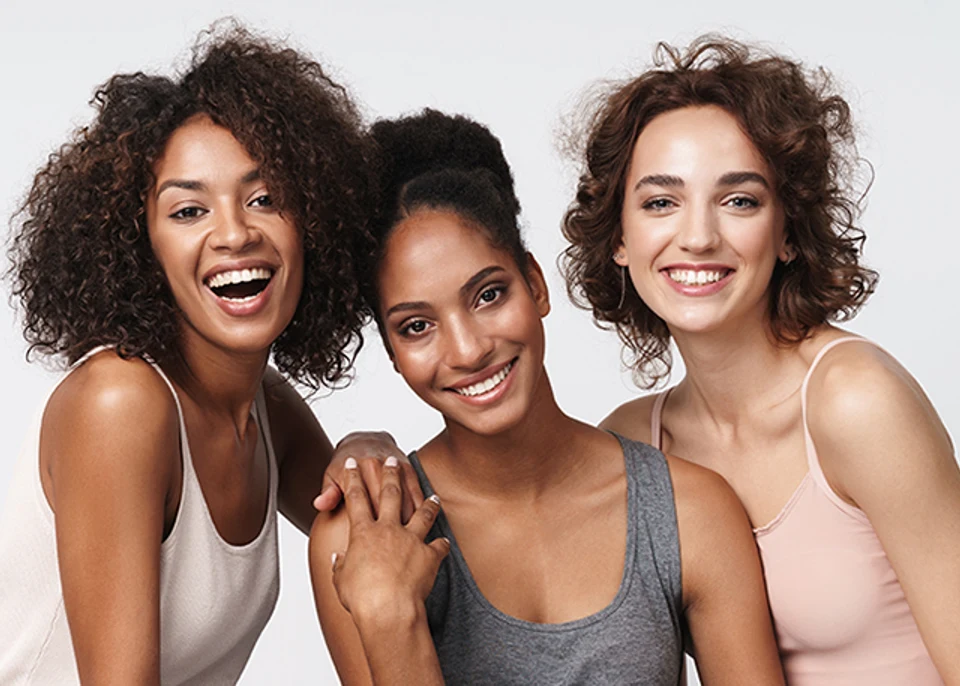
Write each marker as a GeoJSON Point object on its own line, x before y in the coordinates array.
{"type": "Point", "coordinates": [329, 497]}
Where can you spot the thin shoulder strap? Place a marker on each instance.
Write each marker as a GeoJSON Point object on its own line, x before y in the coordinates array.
{"type": "Point", "coordinates": [656, 419]}
{"type": "Point", "coordinates": [813, 460]}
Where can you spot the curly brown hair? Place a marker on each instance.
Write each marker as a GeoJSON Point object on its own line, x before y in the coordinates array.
{"type": "Point", "coordinates": [803, 129]}
{"type": "Point", "coordinates": [82, 266]}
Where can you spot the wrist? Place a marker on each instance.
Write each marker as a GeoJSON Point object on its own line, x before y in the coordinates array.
{"type": "Point", "coordinates": [388, 616]}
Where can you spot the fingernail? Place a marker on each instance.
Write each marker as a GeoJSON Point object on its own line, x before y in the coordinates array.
{"type": "Point", "coordinates": [333, 560]}
{"type": "Point", "coordinates": [390, 462]}
{"type": "Point", "coordinates": [350, 463]}
{"type": "Point", "coordinates": [435, 498]}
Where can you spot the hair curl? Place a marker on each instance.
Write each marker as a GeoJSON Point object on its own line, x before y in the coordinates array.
{"type": "Point", "coordinates": [82, 265]}
{"type": "Point", "coordinates": [803, 130]}
{"type": "Point", "coordinates": [440, 161]}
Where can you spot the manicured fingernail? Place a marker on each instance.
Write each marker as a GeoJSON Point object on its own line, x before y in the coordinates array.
{"type": "Point", "coordinates": [390, 462]}
{"type": "Point", "coordinates": [435, 498]}
{"type": "Point", "coordinates": [350, 463]}
{"type": "Point", "coordinates": [333, 560]}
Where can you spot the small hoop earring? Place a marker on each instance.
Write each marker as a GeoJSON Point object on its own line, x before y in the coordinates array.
{"type": "Point", "coordinates": [623, 286]}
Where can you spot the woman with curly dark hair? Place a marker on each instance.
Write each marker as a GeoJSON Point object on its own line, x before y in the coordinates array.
{"type": "Point", "coordinates": [575, 556]}
{"type": "Point", "coordinates": [195, 227]}
{"type": "Point", "coordinates": [716, 210]}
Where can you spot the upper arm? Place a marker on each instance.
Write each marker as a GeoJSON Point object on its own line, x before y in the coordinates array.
{"type": "Point", "coordinates": [883, 446]}
{"type": "Point", "coordinates": [723, 591]}
{"type": "Point", "coordinates": [302, 449]}
{"type": "Point", "coordinates": [330, 534]}
{"type": "Point", "coordinates": [109, 438]}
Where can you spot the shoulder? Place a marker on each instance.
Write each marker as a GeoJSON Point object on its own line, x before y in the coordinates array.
{"type": "Point", "coordinates": [702, 496]}
{"type": "Point", "coordinates": [108, 388]}
{"type": "Point", "coordinates": [329, 534]}
{"type": "Point", "coordinates": [865, 413]}
{"type": "Point", "coordinates": [113, 419]}
{"type": "Point", "coordinates": [632, 419]}
{"type": "Point", "coordinates": [292, 423]}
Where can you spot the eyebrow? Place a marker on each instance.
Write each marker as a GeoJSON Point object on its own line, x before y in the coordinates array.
{"type": "Point", "coordinates": [191, 185]}
{"type": "Point", "coordinates": [465, 289]}
{"type": "Point", "coordinates": [728, 179]}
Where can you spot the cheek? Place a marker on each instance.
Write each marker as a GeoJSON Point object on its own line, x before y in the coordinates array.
{"type": "Point", "coordinates": [416, 364]}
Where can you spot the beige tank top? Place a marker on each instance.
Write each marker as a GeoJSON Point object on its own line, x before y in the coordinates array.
{"type": "Point", "coordinates": [215, 598]}
{"type": "Point", "coordinates": [839, 612]}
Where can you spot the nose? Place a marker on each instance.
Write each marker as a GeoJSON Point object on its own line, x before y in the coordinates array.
{"type": "Point", "coordinates": [233, 230]}
{"type": "Point", "coordinates": [699, 231]}
{"type": "Point", "coordinates": [466, 346]}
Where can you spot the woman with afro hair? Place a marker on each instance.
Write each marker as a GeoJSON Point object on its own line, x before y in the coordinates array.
{"type": "Point", "coordinates": [715, 209]}
{"type": "Point", "coordinates": [196, 227]}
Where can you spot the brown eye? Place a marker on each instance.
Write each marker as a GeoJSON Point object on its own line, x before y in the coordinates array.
{"type": "Point", "coordinates": [188, 213]}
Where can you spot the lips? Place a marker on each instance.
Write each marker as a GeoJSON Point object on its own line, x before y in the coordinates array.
{"type": "Point", "coordinates": [484, 385]}
{"type": "Point", "coordinates": [697, 279]}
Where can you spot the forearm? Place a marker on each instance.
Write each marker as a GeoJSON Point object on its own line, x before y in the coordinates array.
{"type": "Point", "coordinates": [399, 648]}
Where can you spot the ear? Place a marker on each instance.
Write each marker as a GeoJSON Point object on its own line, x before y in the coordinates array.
{"type": "Point", "coordinates": [620, 256]}
{"type": "Point", "coordinates": [787, 253]}
{"type": "Point", "coordinates": [538, 285]}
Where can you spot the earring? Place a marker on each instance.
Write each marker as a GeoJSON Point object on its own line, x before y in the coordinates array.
{"type": "Point", "coordinates": [623, 286]}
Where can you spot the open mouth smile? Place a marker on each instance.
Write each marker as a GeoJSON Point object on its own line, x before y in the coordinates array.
{"type": "Point", "coordinates": [698, 281]}
{"type": "Point", "coordinates": [240, 285]}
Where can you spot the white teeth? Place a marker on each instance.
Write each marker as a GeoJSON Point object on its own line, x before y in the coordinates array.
{"type": "Point", "coordinates": [238, 276]}
{"type": "Point", "coordinates": [487, 384]}
{"type": "Point", "coordinates": [696, 277]}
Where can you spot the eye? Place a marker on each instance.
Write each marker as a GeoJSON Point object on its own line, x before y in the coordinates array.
{"type": "Point", "coordinates": [186, 213]}
{"type": "Point", "coordinates": [262, 201]}
{"type": "Point", "coordinates": [413, 327]}
{"type": "Point", "coordinates": [491, 294]}
{"type": "Point", "coordinates": [742, 202]}
{"type": "Point", "coordinates": [658, 204]}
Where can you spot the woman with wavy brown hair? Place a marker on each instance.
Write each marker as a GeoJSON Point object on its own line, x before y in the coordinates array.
{"type": "Point", "coordinates": [196, 227]}
{"type": "Point", "coordinates": [716, 210]}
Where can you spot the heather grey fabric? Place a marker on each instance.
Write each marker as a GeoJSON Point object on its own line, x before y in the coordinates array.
{"type": "Point", "coordinates": [637, 639]}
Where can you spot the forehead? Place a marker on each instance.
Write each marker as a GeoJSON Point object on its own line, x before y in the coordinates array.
{"type": "Point", "coordinates": [694, 142]}
{"type": "Point", "coordinates": [434, 252]}
{"type": "Point", "coordinates": [200, 148]}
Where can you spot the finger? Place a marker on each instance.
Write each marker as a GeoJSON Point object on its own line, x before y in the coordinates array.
{"type": "Point", "coordinates": [440, 546]}
{"type": "Point", "coordinates": [355, 494]}
{"type": "Point", "coordinates": [371, 470]}
{"type": "Point", "coordinates": [412, 493]}
{"type": "Point", "coordinates": [329, 497]}
{"type": "Point", "coordinates": [423, 518]}
{"type": "Point", "coordinates": [391, 497]}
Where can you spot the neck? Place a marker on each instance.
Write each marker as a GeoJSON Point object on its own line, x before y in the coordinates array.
{"type": "Point", "coordinates": [221, 382]}
{"type": "Point", "coordinates": [738, 373]}
{"type": "Point", "coordinates": [522, 461]}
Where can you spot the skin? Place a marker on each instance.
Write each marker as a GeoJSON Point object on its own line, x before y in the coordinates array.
{"type": "Point", "coordinates": [558, 486]}
{"type": "Point", "coordinates": [737, 411]}
{"type": "Point", "coordinates": [110, 459]}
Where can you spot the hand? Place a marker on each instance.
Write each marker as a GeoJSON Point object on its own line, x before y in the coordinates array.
{"type": "Point", "coordinates": [369, 449]}
{"type": "Point", "coordinates": [387, 570]}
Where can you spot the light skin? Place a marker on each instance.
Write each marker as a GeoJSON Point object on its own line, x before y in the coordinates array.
{"type": "Point", "coordinates": [110, 458]}
{"type": "Point", "coordinates": [558, 486]}
{"type": "Point", "coordinates": [737, 411]}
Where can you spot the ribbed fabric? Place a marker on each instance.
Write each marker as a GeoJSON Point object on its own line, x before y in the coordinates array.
{"type": "Point", "coordinates": [636, 639]}
{"type": "Point", "coordinates": [215, 598]}
{"type": "Point", "coordinates": [839, 611]}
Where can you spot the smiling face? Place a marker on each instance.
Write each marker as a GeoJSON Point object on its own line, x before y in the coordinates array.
{"type": "Point", "coordinates": [462, 323]}
{"type": "Point", "coordinates": [234, 263]}
{"type": "Point", "coordinates": [702, 226]}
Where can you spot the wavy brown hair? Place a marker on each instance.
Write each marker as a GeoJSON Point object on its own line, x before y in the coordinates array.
{"type": "Point", "coordinates": [83, 270]}
{"type": "Point", "coordinates": [801, 127]}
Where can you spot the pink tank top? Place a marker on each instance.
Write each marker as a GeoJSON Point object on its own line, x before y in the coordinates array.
{"type": "Point", "coordinates": [839, 611]}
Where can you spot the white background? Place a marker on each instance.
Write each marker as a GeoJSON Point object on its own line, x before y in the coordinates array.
{"type": "Point", "coordinates": [518, 67]}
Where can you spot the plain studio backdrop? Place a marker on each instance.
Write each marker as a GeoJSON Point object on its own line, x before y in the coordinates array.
{"type": "Point", "coordinates": [519, 67]}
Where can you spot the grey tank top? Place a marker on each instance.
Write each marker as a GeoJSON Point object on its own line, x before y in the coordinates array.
{"type": "Point", "coordinates": [636, 639]}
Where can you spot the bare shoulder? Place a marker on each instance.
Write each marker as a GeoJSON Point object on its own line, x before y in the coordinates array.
{"type": "Point", "coordinates": [632, 419]}
{"type": "Point", "coordinates": [866, 414]}
{"type": "Point", "coordinates": [115, 419]}
{"type": "Point", "coordinates": [115, 392]}
{"type": "Point", "coordinates": [329, 534]}
{"type": "Point", "coordinates": [701, 495]}
{"type": "Point", "coordinates": [292, 422]}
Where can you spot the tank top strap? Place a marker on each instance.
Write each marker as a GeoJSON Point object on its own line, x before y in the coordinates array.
{"type": "Point", "coordinates": [813, 460]}
{"type": "Point", "coordinates": [656, 419]}
{"type": "Point", "coordinates": [266, 436]}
